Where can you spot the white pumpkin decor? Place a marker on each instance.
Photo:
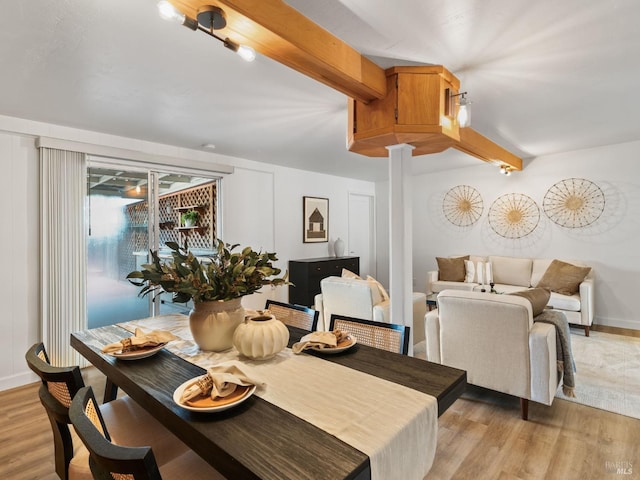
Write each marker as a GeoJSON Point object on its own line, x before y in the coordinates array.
{"type": "Point", "coordinates": [261, 336]}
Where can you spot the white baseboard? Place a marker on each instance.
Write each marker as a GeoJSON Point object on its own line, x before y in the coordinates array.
{"type": "Point", "coordinates": [18, 380]}
{"type": "Point", "coordinates": [617, 322]}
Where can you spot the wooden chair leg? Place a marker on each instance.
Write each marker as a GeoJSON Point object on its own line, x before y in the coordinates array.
{"type": "Point", "coordinates": [586, 330]}
{"type": "Point", "coordinates": [524, 408]}
{"type": "Point", "coordinates": [110, 391]}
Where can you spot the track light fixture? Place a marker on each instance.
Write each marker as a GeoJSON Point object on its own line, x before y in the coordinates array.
{"type": "Point", "coordinates": [505, 170]}
{"type": "Point", "coordinates": [210, 18]}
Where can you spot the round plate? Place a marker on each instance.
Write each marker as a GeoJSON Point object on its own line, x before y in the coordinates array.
{"type": "Point", "coordinates": [210, 405]}
{"type": "Point", "coordinates": [138, 354]}
{"type": "Point", "coordinates": [342, 346]}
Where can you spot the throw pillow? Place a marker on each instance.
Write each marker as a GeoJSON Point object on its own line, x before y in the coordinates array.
{"type": "Point", "coordinates": [480, 273]}
{"type": "Point", "coordinates": [451, 269]}
{"type": "Point", "coordinates": [470, 272]}
{"type": "Point", "coordinates": [383, 292]}
{"type": "Point", "coordinates": [349, 274]}
{"type": "Point", "coordinates": [539, 298]}
{"type": "Point", "coordinates": [564, 278]}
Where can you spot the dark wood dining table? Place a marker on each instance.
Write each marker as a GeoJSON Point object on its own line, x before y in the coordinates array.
{"type": "Point", "coordinates": [257, 439]}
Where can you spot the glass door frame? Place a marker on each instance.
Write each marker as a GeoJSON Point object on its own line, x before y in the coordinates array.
{"type": "Point", "coordinates": [154, 172]}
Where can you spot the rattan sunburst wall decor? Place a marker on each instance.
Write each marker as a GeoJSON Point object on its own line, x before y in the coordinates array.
{"type": "Point", "coordinates": [574, 203]}
{"type": "Point", "coordinates": [514, 215]}
{"type": "Point", "coordinates": [462, 205]}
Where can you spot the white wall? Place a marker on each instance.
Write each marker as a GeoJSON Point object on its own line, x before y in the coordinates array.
{"type": "Point", "coordinates": [261, 207]}
{"type": "Point", "coordinates": [19, 243]}
{"type": "Point", "coordinates": [609, 245]}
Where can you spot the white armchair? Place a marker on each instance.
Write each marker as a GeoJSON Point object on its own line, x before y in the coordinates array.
{"type": "Point", "coordinates": [362, 299]}
{"type": "Point", "coordinates": [493, 337]}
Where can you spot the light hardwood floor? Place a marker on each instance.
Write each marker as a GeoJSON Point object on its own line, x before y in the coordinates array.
{"type": "Point", "coordinates": [480, 437]}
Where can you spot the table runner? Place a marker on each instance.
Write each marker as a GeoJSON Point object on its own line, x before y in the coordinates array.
{"type": "Point", "coordinates": [394, 425]}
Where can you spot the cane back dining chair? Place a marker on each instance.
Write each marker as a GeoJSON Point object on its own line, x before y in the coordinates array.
{"type": "Point", "coordinates": [294, 315]}
{"type": "Point", "coordinates": [130, 424]}
{"type": "Point", "coordinates": [385, 336]}
{"type": "Point", "coordinates": [111, 461]}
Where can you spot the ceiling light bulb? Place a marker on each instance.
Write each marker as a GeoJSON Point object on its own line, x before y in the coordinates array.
{"type": "Point", "coordinates": [246, 53]}
{"type": "Point", "coordinates": [464, 112]}
{"type": "Point", "coordinates": [169, 12]}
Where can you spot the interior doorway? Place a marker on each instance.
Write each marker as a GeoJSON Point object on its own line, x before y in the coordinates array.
{"type": "Point", "coordinates": [130, 211]}
{"type": "Point", "coordinates": [361, 241]}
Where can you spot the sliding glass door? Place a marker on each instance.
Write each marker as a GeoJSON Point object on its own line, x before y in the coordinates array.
{"type": "Point", "coordinates": [129, 212]}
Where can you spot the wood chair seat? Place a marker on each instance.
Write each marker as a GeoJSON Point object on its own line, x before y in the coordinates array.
{"type": "Point", "coordinates": [130, 423]}
{"type": "Point", "coordinates": [110, 460]}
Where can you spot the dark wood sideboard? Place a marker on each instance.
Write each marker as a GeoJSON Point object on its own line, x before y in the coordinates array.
{"type": "Point", "coordinates": [305, 274]}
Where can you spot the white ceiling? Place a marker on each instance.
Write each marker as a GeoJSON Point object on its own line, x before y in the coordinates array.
{"type": "Point", "coordinates": [544, 76]}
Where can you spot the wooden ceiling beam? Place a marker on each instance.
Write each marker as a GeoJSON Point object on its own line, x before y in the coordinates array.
{"type": "Point", "coordinates": [280, 32]}
{"type": "Point", "coordinates": [283, 34]}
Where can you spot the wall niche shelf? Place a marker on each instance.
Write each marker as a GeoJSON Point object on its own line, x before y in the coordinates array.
{"type": "Point", "coordinates": [188, 230]}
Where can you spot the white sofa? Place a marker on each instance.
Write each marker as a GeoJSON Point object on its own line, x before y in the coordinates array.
{"type": "Point", "coordinates": [362, 299]}
{"type": "Point", "coordinates": [511, 274]}
{"type": "Point", "coordinates": [493, 337]}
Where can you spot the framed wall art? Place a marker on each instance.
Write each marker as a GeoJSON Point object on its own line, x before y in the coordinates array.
{"type": "Point", "coordinates": [315, 219]}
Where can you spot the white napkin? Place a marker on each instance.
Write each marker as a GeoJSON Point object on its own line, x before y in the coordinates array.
{"type": "Point", "coordinates": [315, 339]}
{"type": "Point", "coordinates": [220, 381]}
{"type": "Point", "coordinates": [140, 340]}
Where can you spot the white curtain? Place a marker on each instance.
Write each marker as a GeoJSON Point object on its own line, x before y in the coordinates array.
{"type": "Point", "coordinates": [64, 252]}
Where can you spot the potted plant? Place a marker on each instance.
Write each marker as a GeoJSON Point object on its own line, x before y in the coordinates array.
{"type": "Point", "coordinates": [216, 284]}
{"type": "Point", "coordinates": [189, 218]}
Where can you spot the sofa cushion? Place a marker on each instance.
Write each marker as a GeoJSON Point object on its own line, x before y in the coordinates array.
{"type": "Point", "coordinates": [540, 266]}
{"type": "Point", "coordinates": [451, 269]}
{"type": "Point", "coordinates": [539, 298]}
{"type": "Point", "coordinates": [563, 278]}
{"type": "Point", "coordinates": [511, 270]}
{"type": "Point", "coordinates": [569, 303]}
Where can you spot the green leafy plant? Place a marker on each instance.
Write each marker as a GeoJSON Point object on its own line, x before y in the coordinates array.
{"type": "Point", "coordinates": [222, 276]}
{"type": "Point", "coordinates": [191, 215]}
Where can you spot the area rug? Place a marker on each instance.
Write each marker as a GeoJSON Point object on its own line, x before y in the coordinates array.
{"type": "Point", "coordinates": [607, 372]}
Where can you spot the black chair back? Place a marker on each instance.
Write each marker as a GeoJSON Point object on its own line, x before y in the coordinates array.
{"type": "Point", "coordinates": [59, 385]}
{"type": "Point", "coordinates": [106, 459]}
{"type": "Point", "coordinates": [294, 315]}
{"type": "Point", "coordinates": [385, 336]}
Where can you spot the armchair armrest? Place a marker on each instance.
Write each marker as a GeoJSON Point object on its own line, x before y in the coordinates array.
{"type": "Point", "coordinates": [382, 312]}
{"type": "Point", "coordinates": [432, 332]}
{"type": "Point", "coordinates": [587, 301]}
{"type": "Point", "coordinates": [543, 359]}
{"type": "Point", "coordinates": [432, 276]}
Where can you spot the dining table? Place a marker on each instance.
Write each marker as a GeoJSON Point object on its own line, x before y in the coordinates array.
{"type": "Point", "coordinates": [276, 435]}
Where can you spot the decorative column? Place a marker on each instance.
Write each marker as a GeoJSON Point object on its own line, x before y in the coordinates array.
{"type": "Point", "coordinates": [401, 237]}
